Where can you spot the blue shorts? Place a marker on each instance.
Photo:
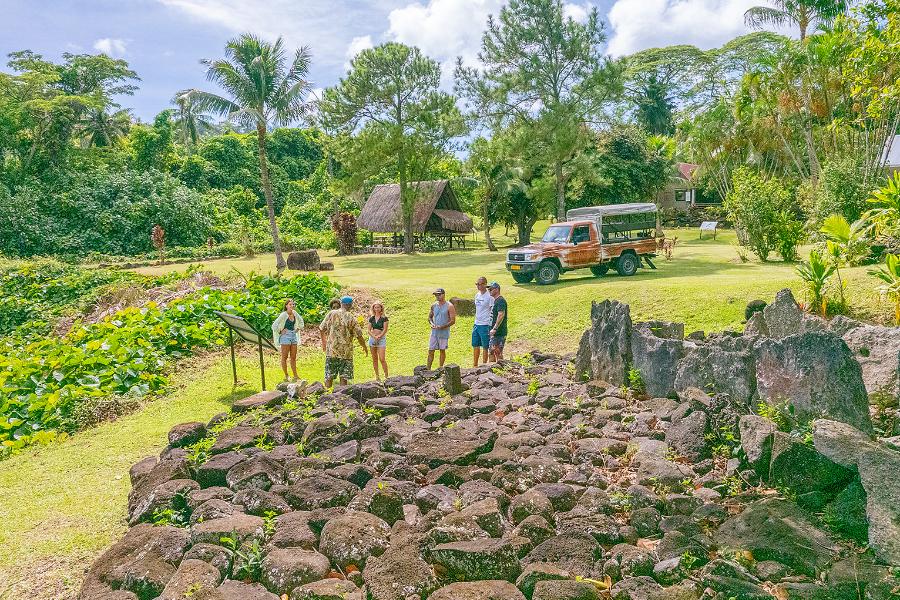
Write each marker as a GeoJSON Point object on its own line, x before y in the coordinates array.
{"type": "Point", "coordinates": [288, 338]}
{"type": "Point", "coordinates": [481, 336]}
{"type": "Point", "coordinates": [381, 343]}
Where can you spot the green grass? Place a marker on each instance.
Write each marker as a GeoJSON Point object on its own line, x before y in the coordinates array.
{"type": "Point", "coordinates": [62, 505]}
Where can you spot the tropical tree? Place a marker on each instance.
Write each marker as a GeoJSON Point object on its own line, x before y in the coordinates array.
{"type": "Point", "coordinates": [802, 14]}
{"type": "Point", "coordinates": [547, 76]}
{"type": "Point", "coordinates": [884, 219]}
{"type": "Point", "coordinates": [497, 176]}
{"type": "Point", "coordinates": [100, 128]}
{"type": "Point", "coordinates": [265, 88]}
{"type": "Point", "coordinates": [190, 122]}
{"type": "Point", "coordinates": [392, 118]}
{"type": "Point", "coordinates": [890, 289]}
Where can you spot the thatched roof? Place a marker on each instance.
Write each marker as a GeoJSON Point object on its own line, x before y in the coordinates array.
{"type": "Point", "coordinates": [436, 209]}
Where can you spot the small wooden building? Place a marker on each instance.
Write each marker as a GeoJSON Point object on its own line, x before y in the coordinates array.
{"type": "Point", "coordinates": [437, 213]}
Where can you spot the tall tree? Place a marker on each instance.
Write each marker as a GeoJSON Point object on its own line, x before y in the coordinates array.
{"type": "Point", "coordinates": [266, 88]}
{"type": "Point", "coordinates": [393, 117]}
{"type": "Point", "coordinates": [190, 122]}
{"type": "Point", "coordinates": [100, 128]}
{"type": "Point", "coordinates": [654, 109]}
{"type": "Point", "coordinates": [497, 176]}
{"type": "Point", "coordinates": [545, 73]}
{"type": "Point", "coordinates": [802, 14]}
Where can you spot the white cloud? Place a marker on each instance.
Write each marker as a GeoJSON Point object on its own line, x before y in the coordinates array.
{"type": "Point", "coordinates": [444, 29]}
{"type": "Point", "coordinates": [356, 46]}
{"type": "Point", "coordinates": [111, 47]}
{"type": "Point", "coordinates": [577, 12]}
{"type": "Point", "coordinates": [326, 28]}
{"type": "Point", "coordinates": [641, 24]}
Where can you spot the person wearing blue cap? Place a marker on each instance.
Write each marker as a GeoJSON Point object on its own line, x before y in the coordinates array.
{"type": "Point", "coordinates": [337, 331]}
{"type": "Point", "coordinates": [441, 317]}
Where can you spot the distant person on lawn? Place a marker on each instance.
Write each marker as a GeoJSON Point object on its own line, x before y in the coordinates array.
{"type": "Point", "coordinates": [338, 330]}
{"type": "Point", "coordinates": [498, 320]}
{"type": "Point", "coordinates": [284, 332]}
{"type": "Point", "coordinates": [378, 328]}
{"type": "Point", "coordinates": [442, 317]}
{"type": "Point", "coordinates": [481, 331]}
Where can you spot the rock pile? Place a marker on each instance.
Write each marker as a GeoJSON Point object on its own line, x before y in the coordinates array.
{"type": "Point", "coordinates": [521, 482]}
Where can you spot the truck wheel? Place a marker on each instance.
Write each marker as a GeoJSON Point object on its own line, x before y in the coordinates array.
{"type": "Point", "coordinates": [523, 277]}
{"type": "Point", "coordinates": [627, 265]}
{"type": "Point", "coordinates": [599, 270]}
{"type": "Point", "coordinates": [547, 273]}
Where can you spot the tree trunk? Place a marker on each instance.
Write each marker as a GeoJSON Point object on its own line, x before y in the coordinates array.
{"type": "Point", "coordinates": [560, 193]}
{"type": "Point", "coordinates": [267, 188]}
{"type": "Point", "coordinates": [409, 246]}
{"type": "Point", "coordinates": [335, 200]}
{"type": "Point", "coordinates": [485, 205]}
{"type": "Point", "coordinates": [814, 166]}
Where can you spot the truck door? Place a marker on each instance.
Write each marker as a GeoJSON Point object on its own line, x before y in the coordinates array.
{"type": "Point", "coordinates": [586, 249]}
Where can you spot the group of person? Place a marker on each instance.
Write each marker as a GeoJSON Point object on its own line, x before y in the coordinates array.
{"type": "Point", "coordinates": [340, 328]}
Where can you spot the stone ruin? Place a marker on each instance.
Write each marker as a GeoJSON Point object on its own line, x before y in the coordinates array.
{"type": "Point", "coordinates": [544, 478]}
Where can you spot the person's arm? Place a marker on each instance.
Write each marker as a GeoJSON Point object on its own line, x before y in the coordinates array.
{"type": "Point", "coordinates": [431, 317]}
{"type": "Point", "coordinates": [322, 334]}
{"type": "Point", "coordinates": [451, 315]}
{"type": "Point", "coordinates": [501, 314]}
{"type": "Point", "coordinates": [372, 331]}
{"type": "Point", "coordinates": [361, 339]}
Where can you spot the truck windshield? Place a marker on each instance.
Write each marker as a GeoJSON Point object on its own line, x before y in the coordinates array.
{"type": "Point", "coordinates": [557, 234]}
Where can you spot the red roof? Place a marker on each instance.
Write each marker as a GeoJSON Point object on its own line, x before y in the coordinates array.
{"type": "Point", "coordinates": [687, 170]}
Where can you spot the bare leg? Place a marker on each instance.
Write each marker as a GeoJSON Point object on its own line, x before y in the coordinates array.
{"type": "Point", "coordinates": [430, 358]}
{"type": "Point", "coordinates": [375, 364]}
{"type": "Point", "coordinates": [285, 351]}
{"type": "Point", "coordinates": [443, 357]}
{"type": "Point", "coordinates": [484, 354]}
{"type": "Point", "coordinates": [328, 383]}
{"type": "Point", "coordinates": [476, 352]}
{"type": "Point", "coordinates": [343, 381]}
{"type": "Point", "coordinates": [293, 348]}
{"type": "Point", "coordinates": [381, 356]}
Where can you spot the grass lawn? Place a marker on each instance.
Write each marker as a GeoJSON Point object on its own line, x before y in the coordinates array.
{"type": "Point", "coordinates": [60, 506]}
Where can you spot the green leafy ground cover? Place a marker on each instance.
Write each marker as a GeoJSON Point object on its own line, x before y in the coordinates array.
{"type": "Point", "coordinates": [43, 379]}
{"type": "Point", "coordinates": [61, 504]}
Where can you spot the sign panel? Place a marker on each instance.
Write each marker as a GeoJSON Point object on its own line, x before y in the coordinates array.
{"type": "Point", "coordinates": [245, 330]}
{"type": "Point", "coordinates": [708, 225]}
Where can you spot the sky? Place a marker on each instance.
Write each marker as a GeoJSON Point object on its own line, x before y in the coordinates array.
{"type": "Point", "coordinates": [163, 40]}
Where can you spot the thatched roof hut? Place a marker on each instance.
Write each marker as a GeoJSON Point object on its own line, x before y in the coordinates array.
{"type": "Point", "coordinates": [437, 209]}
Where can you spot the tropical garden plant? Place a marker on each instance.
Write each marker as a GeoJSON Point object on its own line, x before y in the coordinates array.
{"type": "Point", "coordinates": [815, 274]}
{"type": "Point", "coordinates": [889, 274]}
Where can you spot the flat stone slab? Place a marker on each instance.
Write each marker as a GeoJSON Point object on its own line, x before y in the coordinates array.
{"type": "Point", "coordinates": [260, 400]}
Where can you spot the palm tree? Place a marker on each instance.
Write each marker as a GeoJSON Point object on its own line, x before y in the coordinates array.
{"type": "Point", "coordinates": [265, 90]}
{"type": "Point", "coordinates": [190, 120]}
{"type": "Point", "coordinates": [803, 14]}
{"type": "Point", "coordinates": [100, 128]}
{"type": "Point", "coordinates": [496, 178]}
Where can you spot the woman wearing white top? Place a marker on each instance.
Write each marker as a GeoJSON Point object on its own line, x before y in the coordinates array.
{"type": "Point", "coordinates": [284, 332]}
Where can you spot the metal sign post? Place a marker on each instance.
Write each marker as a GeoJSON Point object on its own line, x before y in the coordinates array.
{"type": "Point", "coordinates": [709, 226]}
{"type": "Point", "coordinates": [249, 333]}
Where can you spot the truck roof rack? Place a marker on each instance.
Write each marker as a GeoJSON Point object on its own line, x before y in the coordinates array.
{"type": "Point", "coordinates": [593, 212]}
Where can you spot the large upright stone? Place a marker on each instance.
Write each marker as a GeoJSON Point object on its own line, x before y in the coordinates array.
{"type": "Point", "coordinates": [605, 350]}
{"type": "Point", "coordinates": [303, 260]}
{"type": "Point", "coordinates": [878, 470]}
{"type": "Point", "coordinates": [876, 349]}
{"type": "Point", "coordinates": [817, 373]}
{"type": "Point", "coordinates": [800, 468]}
{"type": "Point", "coordinates": [724, 364]}
{"type": "Point", "coordinates": [656, 348]}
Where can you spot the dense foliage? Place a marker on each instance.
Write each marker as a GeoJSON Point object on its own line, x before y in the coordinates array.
{"type": "Point", "coordinates": [43, 378]}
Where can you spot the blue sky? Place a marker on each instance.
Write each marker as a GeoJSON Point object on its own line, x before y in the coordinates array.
{"type": "Point", "coordinates": [163, 40]}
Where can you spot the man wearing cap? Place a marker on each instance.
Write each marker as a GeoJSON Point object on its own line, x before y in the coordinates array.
{"type": "Point", "coordinates": [498, 322]}
{"type": "Point", "coordinates": [338, 330]}
{"type": "Point", "coordinates": [441, 317]}
{"type": "Point", "coordinates": [481, 331]}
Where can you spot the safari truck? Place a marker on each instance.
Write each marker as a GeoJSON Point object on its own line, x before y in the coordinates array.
{"type": "Point", "coordinates": [618, 236]}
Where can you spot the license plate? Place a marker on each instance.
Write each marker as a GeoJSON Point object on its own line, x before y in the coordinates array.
{"type": "Point", "coordinates": [515, 267]}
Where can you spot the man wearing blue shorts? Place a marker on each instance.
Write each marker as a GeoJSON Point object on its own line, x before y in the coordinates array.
{"type": "Point", "coordinates": [481, 331]}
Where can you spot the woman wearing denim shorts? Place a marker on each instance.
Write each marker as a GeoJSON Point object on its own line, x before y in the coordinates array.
{"type": "Point", "coordinates": [284, 332]}
{"type": "Point", "coordinates": [378, 327]}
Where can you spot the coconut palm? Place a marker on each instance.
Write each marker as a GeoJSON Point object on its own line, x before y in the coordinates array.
{"type": "Point", "coordinates": [100, 128]}
{"type": "Point", "coordinates": [803, 14]}
{"type": "Point", "coordinates": [265, 89]}
{"type": "Point", "coordinates": [495, 176]}
{"type": "Point", "coordinates": [190, 122]}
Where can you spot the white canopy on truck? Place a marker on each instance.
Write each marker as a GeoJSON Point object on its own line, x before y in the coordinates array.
{"type": "Point", "coordinates": [595, 212]}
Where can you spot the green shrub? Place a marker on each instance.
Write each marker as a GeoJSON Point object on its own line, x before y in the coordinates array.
{"type": "Point", "coordinates": [756, 205]}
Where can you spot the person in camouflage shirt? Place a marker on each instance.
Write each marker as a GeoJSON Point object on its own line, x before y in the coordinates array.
{"type": "Point", "coordinates": [338, 330]}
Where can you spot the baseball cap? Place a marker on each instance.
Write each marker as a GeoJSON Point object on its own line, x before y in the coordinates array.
{"type": "Point", "coordinates": [494, 285]}
{"type": "Point", "coordinates": [346, 300]}
{"type": "Point", "coordinates": [438, 291]}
